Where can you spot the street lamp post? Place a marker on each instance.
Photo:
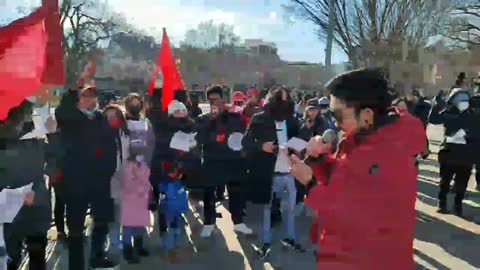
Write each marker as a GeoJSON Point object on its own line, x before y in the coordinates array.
{"type": "Point", "coordinates": [328, 50]}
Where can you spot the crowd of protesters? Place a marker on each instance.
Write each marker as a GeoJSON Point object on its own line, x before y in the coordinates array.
{"type": "Point", "coordinates": [120, 165]}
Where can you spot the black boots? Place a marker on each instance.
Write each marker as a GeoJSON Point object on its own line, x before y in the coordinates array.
{"type": "Point", "coordinates": [130, 255]}
{"type": "Point", "coordinates": [457, 209]}
{"type": "Point", "coordinates": [139, 247]}
{"type": "Point", "coordinates": [442, 207]}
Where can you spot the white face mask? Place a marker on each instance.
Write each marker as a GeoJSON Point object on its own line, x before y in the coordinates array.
{"type": "Point", "coordinates": [462, 106]}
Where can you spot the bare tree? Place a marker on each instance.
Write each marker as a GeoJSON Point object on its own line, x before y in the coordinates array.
{"type": "Point", "coordinates": [373, 30]}
{"type": "Point", "coordinates": [210, 35]}
{"type": "Point", "coordinates": [464, 26]}
{"type": "Point", "coordinates": [85, 24]}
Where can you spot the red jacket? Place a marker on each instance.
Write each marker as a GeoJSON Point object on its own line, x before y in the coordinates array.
{"type": "Point", "coordinates": [365, 216]}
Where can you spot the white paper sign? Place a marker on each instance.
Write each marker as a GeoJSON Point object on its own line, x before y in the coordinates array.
{"type": "Point", "coordinates": [183, 141]}
{"type": "Point", "coordinates": [235, 141]}
{"type": "Point", "coordinates": [457, 138]}
{"type": "Point", "coordinates": [297, 144]}
{"type": "Point", "coordinates": [13, 199]}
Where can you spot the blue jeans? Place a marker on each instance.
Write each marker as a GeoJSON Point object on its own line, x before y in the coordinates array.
{"type": "Point", "coordinates": [172, 235]}
{"type": "Point", "coordinates": [130, 232]}
{"type": "Point", "coordinates": [283, 186]}
{"type": "Point", "coordinates": [115, 227]}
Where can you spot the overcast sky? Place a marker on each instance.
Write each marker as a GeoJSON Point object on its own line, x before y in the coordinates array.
{"type": "Point", "coordinates": [251, 19]}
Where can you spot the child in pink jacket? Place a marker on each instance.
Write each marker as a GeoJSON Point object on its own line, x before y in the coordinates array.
{"type": "Point", "coordinates": [134, 213]}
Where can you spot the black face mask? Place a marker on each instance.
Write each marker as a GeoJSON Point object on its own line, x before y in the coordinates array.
{"type": "Point", "coordinates": [181, 123]}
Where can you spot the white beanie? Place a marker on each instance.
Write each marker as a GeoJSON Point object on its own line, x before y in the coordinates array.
{"type": "Point", "coordinates": [176, 105]}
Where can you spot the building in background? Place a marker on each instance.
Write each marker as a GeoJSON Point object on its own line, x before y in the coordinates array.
{"type": "Point", "coordinates": [254, 63]}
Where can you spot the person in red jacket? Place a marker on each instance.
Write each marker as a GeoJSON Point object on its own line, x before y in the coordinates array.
{"type": "Point", "coordinates": [364, 201]}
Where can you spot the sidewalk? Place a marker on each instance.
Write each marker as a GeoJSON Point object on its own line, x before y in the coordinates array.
{"type": "Point", "coordinates": [441, 241]}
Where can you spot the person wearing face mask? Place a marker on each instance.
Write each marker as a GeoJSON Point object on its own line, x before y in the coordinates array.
{"type": "Point", "coordinates": [23, 156]}
{"type": "Point", "coordinates": [140, 132]}
{"type": "Point", "coordinates": [139, 127]}
{"type": "Point", "coordinates": [365, 195]}
{"type": "Point", "coordinates": [265, 141]}
{"type": "Point", "coordinates": [117, 121]}
{"type": "Point", "coordinates": [88, 165]}
{"type": "Point", "coordinates": [223, 164]}
{"type": "Point", "coordinates": [461, 136]}
{"type": "Point", "coordinates": [177, 167]}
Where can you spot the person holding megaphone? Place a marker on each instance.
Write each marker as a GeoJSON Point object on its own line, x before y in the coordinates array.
{"type": "Point", "coordinates": [366, 191]}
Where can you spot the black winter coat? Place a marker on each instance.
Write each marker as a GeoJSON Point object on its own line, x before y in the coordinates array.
{"type": "Point", "coordinates": [261, 167]}
{"type": "Point", "coordinates": [90, 154]}
{"type": "Point", "coordinates": [21, 163]}
{"type": "Point", "coordinates": [221, 165]}
{"type": "Point", "coordinates": [453, 120]}
{"type": "Point", "coordinates": [188, 162]}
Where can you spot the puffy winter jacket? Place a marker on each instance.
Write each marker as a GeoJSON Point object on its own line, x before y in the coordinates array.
{"type": "Point", "coordinates": [366, 196]}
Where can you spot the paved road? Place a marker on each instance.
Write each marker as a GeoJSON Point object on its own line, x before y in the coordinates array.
{"type": "Point", "coordinates": [441, 241]}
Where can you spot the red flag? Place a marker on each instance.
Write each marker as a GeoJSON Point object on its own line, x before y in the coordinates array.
{"type": "Point", "coordinates": [22, 59]}
{"type": "Point", "coordinates": [171, 76]}
{"type": "Point", "coordinates": [54, 74]}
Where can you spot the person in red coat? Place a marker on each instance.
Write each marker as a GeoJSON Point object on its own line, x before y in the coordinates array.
{"type": "Point", "coordinates": [364, 202]}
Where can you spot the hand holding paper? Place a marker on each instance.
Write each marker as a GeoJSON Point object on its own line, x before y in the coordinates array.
{"type": "Point", "coordinates": [457, 138]}
{"type": "Point", "coordinates": [12, 200]}
{"type": "Point", "coordinates": [183, 141]}
{"type": "Point", "coordinates": [297, 144]}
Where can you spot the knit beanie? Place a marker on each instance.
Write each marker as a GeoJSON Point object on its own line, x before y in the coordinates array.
{"type": "Point", "coordinates": [176, 105]}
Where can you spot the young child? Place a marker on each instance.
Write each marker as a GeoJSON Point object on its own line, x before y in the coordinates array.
{"type": "Point", "coordinates": [173, 198]}
{"type": "Point", "coordinates": [173, 203]}
{"type": "Point", "coordinates": [134, 213]}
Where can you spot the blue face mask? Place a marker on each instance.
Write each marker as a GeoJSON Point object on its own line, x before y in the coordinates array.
{"type": "Point", "coordinates": [88, 112]}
